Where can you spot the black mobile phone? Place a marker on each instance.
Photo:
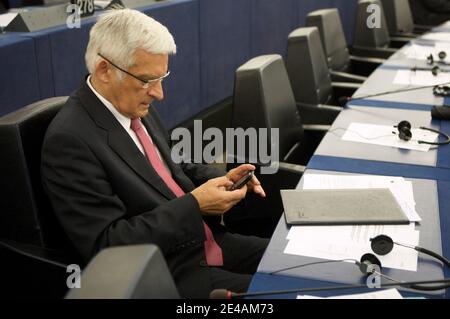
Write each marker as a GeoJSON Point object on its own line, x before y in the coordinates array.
{"type": "Point", "coordinates": [244, 180]}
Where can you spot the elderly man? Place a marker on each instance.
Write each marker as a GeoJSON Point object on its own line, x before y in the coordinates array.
{"type": "Point", "coordinates": [107, 168]}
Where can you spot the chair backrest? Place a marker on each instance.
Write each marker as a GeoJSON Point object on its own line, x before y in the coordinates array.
{"type": "Point", "coordinates": [26, 214]}
{"type": "Point", "coordinates": [307, 67]}
{"type": "Point", "coordinates": [329, 24]}
{"type": "Point", "coordinates": [126, 272]}
{"type": "Point", "coordinates": [263, 98]}
{"type": "Point", "coordinates": [398, 16]}
{"type": "Point", "coordinates": [367, 35]}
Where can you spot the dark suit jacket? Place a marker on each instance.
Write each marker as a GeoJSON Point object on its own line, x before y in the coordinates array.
{"type": "Point", "coordinates": [105, 192]}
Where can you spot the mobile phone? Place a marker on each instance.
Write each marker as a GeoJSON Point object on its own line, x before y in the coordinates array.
{"type": "Point", "coordinates": [244, 180]}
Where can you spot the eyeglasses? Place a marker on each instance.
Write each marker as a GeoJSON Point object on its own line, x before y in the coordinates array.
{"type": "Point", "coordinates": [146, 83]}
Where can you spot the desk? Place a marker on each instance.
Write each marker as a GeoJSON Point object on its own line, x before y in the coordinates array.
{"type": "Point", "coordinates": [429, 172]}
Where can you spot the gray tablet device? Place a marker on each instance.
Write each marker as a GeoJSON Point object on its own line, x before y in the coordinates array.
{"type": "Point", "coordinates": [342, 207]}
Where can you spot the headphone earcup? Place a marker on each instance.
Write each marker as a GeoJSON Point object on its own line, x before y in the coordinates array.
{"type": "Point", "coordinates": [404, 130]}
{"type": "Point", "coordinates": [382, 245]}
{"type": "Point", "coordinates": [435, 70]}
{"type": "Point", "coordinates": [366, 261]}
{"type": "Point", "coordinates": [441, 90]}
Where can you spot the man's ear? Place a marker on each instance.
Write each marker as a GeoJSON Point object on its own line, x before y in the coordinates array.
{"type": "Point", "coordinates": [103, 71]}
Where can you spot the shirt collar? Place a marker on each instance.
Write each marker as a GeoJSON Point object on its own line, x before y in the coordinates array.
{"type": "Point", "coordinates": [123, 120]}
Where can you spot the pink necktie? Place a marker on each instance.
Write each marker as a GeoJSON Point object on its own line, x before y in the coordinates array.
{"type": "Point", "coordinates": [212, 250]}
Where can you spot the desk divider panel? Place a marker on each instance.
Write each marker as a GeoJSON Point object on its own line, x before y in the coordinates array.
{"type": "Point", "coordinates": [182, 88]}
{"type": "Point", "coordinates": [19, 73]}
{"type": "Point", "coordinates": [214, 37]}
{"type": "Point", "coordinates": [225, 39]}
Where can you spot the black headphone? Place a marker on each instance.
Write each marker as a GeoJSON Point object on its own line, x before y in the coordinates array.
{"type": "Point", "coordinates": [442, 55]}
{"type": "Point", "coordinates": [404, 133]}
{"type": "Point", "coordinates": [441, 90]}
{"type": "Point", "coordinates": [382, 245]}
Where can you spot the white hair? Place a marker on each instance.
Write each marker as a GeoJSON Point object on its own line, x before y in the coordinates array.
{"type": "Point", "coordinates": [119, 33]}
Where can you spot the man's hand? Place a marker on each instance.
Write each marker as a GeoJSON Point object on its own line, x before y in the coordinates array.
{"type": "Point", "coordinates": [236, 173]}
{"type": "Point", "coordinates": [214, 198]}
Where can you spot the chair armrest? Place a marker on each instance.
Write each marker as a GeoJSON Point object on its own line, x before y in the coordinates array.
{"type": "Point", "coordinates": [318, 114]}
{"type": "Point", "coordinates": [33, 272]}
{"type": "Point", "coordinates": [317, 128]}
{"type": "Point", "coordinates": [364, 66]}
{"type": "Point", "coordinates": [346, 77]}
{"type": "Point", "coordinates": [399, 42]}
{"type": "Point", "coordinates": [370, 60]}
{"type": "Point", "coordinates": [346, 85]}
{"type": "Point", "coordinates": [292, 168]}
{"type": "Point", "coordinates": [400, 39]}
{"type": "Point", "coordinates": [48, 256]}
{"type": "Point", "coordinates": [404, 35]}
{"type": "Point", "coordinates": [422, 28]}
{"type": "Point", "coordinates": [382, 53]}
{"type": "Point", "coordinates": [341, 89]}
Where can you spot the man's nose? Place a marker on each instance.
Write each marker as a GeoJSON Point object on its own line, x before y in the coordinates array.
{"type": "Point", "coordinates": [156, 91]}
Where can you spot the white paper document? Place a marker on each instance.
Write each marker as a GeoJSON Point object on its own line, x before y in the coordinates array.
{"type": "Point", "coordinates": [420, 77]}
{"type": "Point", "coordinates": [352, 242]}
{"type": "Point", "coordinates": [387, 135]}
{"type": "Point", "coordinates": [421, 52]}
{"type": "Point", "coordinates": [6, 18]}
{"type": "Point", "coordinates": [380, 294]}
{"type": "Point", "coordinates": [437, 36]}
{"type": "Point", "coordinates": [401, 189]}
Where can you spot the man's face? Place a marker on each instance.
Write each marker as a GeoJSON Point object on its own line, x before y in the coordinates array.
{"type": "Point", "coordinates": [128, 95]}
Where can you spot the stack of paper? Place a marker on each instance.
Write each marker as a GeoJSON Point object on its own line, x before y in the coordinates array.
{"type": "Point", "coordinates": [386, 135]}
{"type": "Point", "coordinates": [421, 52]}
{"type": "Point", "coordinates": [437, 36]}
{"type": "Point", "coordinates": [352, 242]}
{"type": "Point", "coordinates": [421, 77]}
{"type": "Point", "coordinates": [381, 294]}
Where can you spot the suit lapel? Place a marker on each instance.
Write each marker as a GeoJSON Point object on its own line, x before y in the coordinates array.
{"type": "Point", "coordinates": [120, 141]}
{"type": "Point", "coordinates": [158, 139]}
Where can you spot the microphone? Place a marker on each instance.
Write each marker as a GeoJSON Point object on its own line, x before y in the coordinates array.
{"type": "Point", "coordinates": [345, 99]}
{"type": "Point", "coordinates": [227, 294]}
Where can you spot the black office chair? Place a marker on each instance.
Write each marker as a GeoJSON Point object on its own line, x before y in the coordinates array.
{"type": "Point", "coordinates": [371, 40]}
{"type": "Point", "coordinates": [343, 66]}
{"type": "Point", "coordinates": [34, 248]}
{"type": "Point", "coordinates": [263, 98]}
{"type": "Point", "coordinates": [126, 272]}
{"type": "Point", "coordinates": [399, 19]}
{"type": "Point", "coordinates": [316, 96]}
